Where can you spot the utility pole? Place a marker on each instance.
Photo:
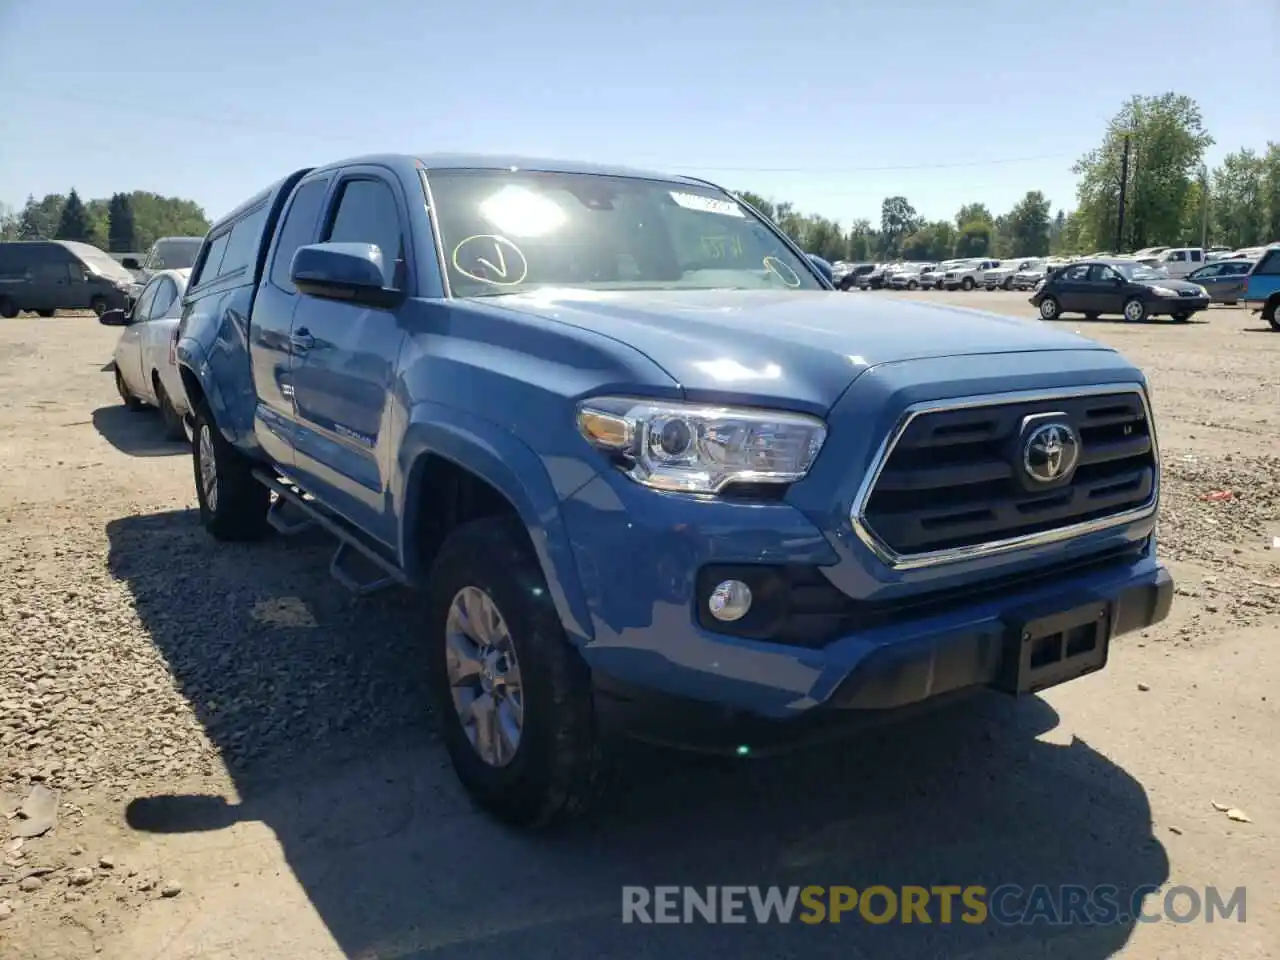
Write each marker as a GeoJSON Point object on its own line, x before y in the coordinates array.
{"type": "Point", "coordinates": [1124, 187]}
{"type": "Point", "coordinates": [1204, 194]}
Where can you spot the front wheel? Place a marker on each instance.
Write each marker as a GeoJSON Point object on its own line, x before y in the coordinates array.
{"type": "Point", "coordinates": [1050, 309]}
{"type": "Point", "coordinates": [512, 695]}
{"type": "Point", "coordinates": [98, 305]}
{"type": "Point", "coordinates": [233, 505]}
{"type": "Point", "coordinates": [1135, 311]}
{"type": "Point", "coordinates": [912, 285]}
{"type": "Point", "coordinates": [967, 283]}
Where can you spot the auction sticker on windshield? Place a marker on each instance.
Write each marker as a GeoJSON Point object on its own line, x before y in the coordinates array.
{"type": "Point", "coordinates": [693, 201]}
{"type": "Point", "coordinates": [491, 259]}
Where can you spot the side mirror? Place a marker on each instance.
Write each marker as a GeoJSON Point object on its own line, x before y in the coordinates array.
{"type": "Point", "coordinates": [351, 272]}
{"type": "Point", "coordinates": [130, 263]}
{"type": "Point", "coordinates": [114, 318]}
{"type": "Point", "coordinates": [1119, 281]}
{"type": "Point", "coordinates": [823, 266]}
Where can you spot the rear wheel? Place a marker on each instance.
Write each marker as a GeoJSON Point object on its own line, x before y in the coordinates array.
{"type": "Point", "coordinates": [512, 695]}
{"type": "Point", "coordinates": [1135, 311]}
{"type": "Point", "coordinates": [233, 505]}
{"type": "Point", "coordinates": [1271, 313]}
{"type": "Point", "coordinates": [173, 428]}
{"type": "Point", "coordinates": [122, 388]}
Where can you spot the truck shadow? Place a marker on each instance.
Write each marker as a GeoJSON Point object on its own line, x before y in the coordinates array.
{"type": "Point", "coordinates": [281, 667]}
{"type": "Point", "coordinates": [138, 433]}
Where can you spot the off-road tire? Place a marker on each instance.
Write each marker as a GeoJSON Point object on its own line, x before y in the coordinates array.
{"type": "Point", "coordinates": [241, 502]}
{"type": "Point", "coordinates": [129, 400]}
{"type": "Point", "coordinates": [558, 770]}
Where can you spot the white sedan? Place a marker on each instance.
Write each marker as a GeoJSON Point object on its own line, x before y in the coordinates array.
{"type": "Point", "coordinates": [146, 374]}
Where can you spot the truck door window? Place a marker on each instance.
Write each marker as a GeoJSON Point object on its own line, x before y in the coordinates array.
{"type": "Point", "coordinates": [243, 243]}
{"type": "Point", "coordinates": [368, 213]}
{"type": "Point", "coordinates": [212, 261]}
{"type": "Point", "coordinates": [298, 229]}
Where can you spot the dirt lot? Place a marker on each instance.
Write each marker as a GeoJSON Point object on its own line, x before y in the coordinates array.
{"type": "Point", "coordinates": [243, 766]}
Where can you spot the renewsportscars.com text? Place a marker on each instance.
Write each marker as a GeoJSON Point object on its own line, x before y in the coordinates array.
{"type": "Point", "coordinates": [1007, 904]}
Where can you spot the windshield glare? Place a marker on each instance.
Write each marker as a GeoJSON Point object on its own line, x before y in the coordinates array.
{"type": "Point", "coordinates": [1138, 271]}
{"type": "Point", "coordinates": [508, 232]}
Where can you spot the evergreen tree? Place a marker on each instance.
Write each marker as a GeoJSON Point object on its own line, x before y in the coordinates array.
{"type": "Point", "coordinates": [74, 223]}
{"type": "Point", "coordinates": [122, 234]}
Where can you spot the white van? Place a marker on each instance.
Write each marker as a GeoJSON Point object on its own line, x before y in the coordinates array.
{"type": "Point", "coordinates": [1180, 261]}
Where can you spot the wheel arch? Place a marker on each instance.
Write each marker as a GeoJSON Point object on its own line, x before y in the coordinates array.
{"type": "Point", "coordinates": [466, 468]}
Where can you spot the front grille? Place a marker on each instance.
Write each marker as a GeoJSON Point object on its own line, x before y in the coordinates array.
{"type": "Point", "coordinates": [955, 477]}
{"type": "Point", "coordinates": [1188, 293]}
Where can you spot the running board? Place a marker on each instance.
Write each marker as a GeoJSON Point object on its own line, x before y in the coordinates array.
{"type": "Point", "coordinates": [347, 541]}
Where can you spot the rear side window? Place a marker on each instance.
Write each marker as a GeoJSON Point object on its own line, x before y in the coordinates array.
{"type": "Point", "coordinates": [212, 260]}
{"type": "Point", "coordinates": [1196, 256]}
{"type": "Point", "coordinates": [1269, 265]}
{"type": "Point", "coordinates": [298, 229]}
{"type": "Point", "coordinates": [242, 247]}
{"type": "Point", "coordinates": [368, 213]}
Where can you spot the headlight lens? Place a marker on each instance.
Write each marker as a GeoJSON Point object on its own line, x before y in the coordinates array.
{"type": "Point", "coordinates": [1164, 292]}
{"type": "Point", "coordinates": [701, 449]}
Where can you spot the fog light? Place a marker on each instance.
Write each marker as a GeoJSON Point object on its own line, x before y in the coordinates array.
{"type": "Point", "coordinates": [730, 600]}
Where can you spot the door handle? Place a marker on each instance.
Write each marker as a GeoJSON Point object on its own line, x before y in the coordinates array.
{"type": "Point", "coordinates": [302, 339]}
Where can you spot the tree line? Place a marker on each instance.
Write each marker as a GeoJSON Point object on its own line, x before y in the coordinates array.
{"type": "Point", "coordinates": [1171, 198]}
{"type": "Point", "coordinates": [122, 223]}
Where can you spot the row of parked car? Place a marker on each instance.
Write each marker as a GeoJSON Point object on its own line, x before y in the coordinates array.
{"type": "Point", "coordinates": [43, 276]}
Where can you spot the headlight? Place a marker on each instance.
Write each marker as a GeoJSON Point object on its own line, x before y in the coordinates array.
{"type": "Point", "coordinates": [701, 449]}
{"type": "Point", "coordinates": [1164, 292]}
{"type": "Point", "coordinates": [123, 284]}
{"type": "Point", "coordinates": [1203, 291]}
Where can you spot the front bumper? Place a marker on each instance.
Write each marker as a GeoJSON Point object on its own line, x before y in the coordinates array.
{"type": "Point", "coordinates": [1170, 305]}
{"type": "Point", "coordinates": [929, 666]}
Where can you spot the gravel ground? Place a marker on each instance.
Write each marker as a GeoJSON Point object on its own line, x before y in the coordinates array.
{"type": "Point", "coordinates": [137, 658]}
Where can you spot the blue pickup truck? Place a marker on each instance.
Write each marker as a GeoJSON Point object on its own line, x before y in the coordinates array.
{"type": "Point", "coordinates": [653, 476]}
{"type": "Point", "coordinates": [1262, 286]}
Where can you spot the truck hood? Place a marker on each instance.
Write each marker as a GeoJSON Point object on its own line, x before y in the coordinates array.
{"type": "Point", "coordinates": [802, 348]}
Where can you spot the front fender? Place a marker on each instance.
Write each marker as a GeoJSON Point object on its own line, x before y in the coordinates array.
{"type": "Point", "coordinates": [500, 458]}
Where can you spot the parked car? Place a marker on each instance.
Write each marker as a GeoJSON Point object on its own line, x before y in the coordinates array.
{"type": "Point", "coordinates": [1262, 286]}
{"type": "Point", "coordinates": [875, 278]}
{"type": "Point", "coordinates": [144, 359]}
{"type": "Point", "coordinates": [42, 276]}
{"type": "Point", "coordinates": [1001, 277]}
{"type": "Point", "coordinates": [650, 493]}
{"type": "Point", "coordinates": [1108, 287]}
{"type": "Point", "coordinates": [1181, 261]}
{"type": "Point", "coordinates": [1224, 279]}
{"type": "Point", "coordinates": [167, 253]}
{"type": "Point", "coordinates": [854, 275]}
{"type": "Point", "coordinates": [932, 278]}
{"type": "Point", "coordinates": [907, 277]}
{"type": "Point", "coordinates": [966, 276]}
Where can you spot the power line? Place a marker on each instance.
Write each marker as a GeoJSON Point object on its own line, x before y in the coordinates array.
{"type": "Point", "coordinates": [266, 126]}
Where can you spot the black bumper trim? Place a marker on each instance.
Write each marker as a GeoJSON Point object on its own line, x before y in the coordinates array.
{"type": "Point", "coordinates": [895, 682]}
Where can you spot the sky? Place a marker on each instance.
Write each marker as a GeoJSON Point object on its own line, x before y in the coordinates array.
{"type": "Point", "coordinates": [830, 105]}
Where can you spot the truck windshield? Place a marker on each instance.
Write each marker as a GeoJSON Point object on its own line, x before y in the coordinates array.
{"type": "Point", "coordinates": [507, 232]}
